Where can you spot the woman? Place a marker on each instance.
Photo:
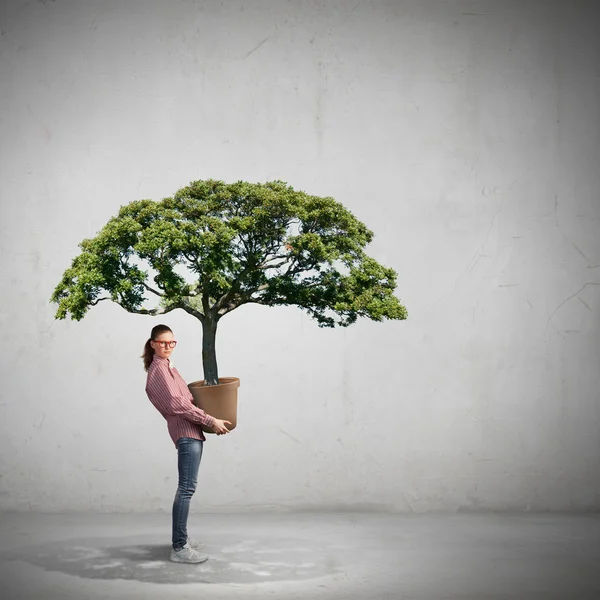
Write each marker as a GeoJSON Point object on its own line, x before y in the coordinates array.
{"type": "Point", "coordinates": [169, 393]}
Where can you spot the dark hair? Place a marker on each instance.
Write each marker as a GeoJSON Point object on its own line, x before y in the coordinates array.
{"type": "Point", "coordinates": [148, 354]}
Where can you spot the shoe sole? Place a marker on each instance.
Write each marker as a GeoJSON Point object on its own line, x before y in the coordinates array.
{"type": "Point", "coordinates": [191, 562]}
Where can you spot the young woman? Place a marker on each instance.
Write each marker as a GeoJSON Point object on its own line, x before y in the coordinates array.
{"type": "Point", "coordinates": [169, 393]}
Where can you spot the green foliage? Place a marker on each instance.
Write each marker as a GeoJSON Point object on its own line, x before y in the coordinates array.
{"type": "Point", "coordinates": [236, 243]}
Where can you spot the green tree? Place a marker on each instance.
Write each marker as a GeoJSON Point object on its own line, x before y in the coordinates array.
{"type": "Point", "coordinates": [213, 247]}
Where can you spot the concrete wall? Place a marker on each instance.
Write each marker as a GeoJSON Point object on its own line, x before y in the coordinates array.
{"type": "Point", "coordinates": [464, 134]}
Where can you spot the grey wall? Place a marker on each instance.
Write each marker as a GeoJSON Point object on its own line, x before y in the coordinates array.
{"type": "Point", "coordinates": [464, 134]}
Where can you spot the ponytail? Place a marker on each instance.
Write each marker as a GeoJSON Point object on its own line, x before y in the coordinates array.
{"type": "Point", "coordinates": [148, 354]}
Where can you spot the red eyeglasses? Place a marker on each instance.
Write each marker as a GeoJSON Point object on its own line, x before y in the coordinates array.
{"type": "Point", "coordinates": [165, 344]}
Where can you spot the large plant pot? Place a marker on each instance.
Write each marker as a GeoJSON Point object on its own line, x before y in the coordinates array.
{"type": "Point", "coordinates": [219, 401]}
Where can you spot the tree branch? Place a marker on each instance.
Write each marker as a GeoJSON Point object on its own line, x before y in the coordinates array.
{"type": "Point", "coordinates": [150, 311]}
{"type": "Point", "coordinates": [192, 311]}
{"type": "Point", "coordinates": [234, 289]}
{"type": "Point", "coordinates": [248, 251]}
{"type": "Point", "coordinates": [264, 266]}
{"type": "Point", "coordinates": [257, 301]}
{"type": "Point", "coordinates": [291, 270]}
{"type": "Point", "coordinates": [99, 300]}
{"type": "Point", "coordinates": [226, 306]}
{"type": "Point", "coordinates": [192, 261]}
{"type": "Point", "coordinates": [152, 290]}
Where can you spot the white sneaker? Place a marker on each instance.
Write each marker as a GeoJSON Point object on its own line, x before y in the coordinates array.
{"type": "Point", "coordinates": [188, 555]}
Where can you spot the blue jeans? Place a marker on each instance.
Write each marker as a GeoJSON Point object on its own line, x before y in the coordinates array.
{"type": "Point", "coordinates": [189, 453]}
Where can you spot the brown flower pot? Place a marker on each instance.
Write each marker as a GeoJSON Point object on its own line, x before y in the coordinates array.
{"type": "Point", "coordinates": [219, 401]}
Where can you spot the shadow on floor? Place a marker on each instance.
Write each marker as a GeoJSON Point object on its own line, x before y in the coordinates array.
{"type": "Point", "coordinates": [139, 559]}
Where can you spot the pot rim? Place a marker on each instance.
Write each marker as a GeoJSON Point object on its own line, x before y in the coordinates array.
{"type": "Point", "coordinates": [223, 382]}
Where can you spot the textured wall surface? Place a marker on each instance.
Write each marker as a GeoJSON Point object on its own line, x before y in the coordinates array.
{"type": "Point", "coordinates": [464, 134]}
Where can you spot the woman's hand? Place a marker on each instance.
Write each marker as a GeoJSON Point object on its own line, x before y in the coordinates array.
{"type": "Point", "coordinates": [219, 426]}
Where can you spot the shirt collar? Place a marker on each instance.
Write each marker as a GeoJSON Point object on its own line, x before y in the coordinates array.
{"type": "Point", "coordinates": [161, 359]}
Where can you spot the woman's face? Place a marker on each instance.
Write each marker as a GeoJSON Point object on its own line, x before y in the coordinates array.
{"type": "Point", "coordinates": [161, 344]}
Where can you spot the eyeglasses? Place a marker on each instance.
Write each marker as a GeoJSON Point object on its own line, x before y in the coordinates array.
{"type": "Point", "coordinates": [165, 344]}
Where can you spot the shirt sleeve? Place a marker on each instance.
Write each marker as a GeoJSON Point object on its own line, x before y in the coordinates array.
{"type": "Point", "coordinates": [165, 395]}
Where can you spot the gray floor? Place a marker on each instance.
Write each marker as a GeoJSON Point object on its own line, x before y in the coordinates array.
{"type": "Point", "coordinates": [303, 555]}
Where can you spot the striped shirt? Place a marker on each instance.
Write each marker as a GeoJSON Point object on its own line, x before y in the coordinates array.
{"type": "Point", "coordinates": [170, 395]}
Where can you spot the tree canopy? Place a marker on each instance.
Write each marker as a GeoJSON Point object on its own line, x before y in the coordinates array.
{"type": "Point", "coordinates": [213, 247]}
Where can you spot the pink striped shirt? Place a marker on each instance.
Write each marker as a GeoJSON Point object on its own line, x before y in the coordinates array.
{"type": "Point", "coordinates": [169, 393]}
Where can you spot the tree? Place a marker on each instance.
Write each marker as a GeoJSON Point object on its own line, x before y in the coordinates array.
{"type": "Point", "coordinates": [213, 247]}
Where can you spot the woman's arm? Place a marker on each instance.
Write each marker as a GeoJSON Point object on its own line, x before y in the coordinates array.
{"type": "Point", "coordinates": [165, 395]}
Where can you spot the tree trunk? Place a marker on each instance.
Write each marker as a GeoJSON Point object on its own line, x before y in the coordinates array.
{"type": "Point", "coordinates": [209, 354]}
